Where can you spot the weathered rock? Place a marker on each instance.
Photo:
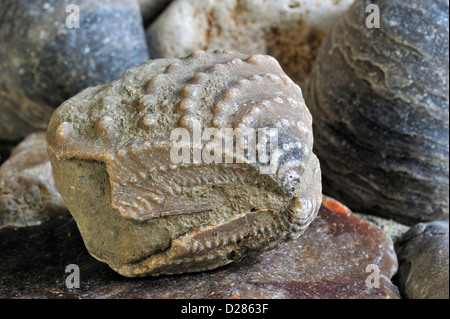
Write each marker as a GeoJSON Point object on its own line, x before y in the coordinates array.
{"type": "Point", "coordinates": [150, 9]}
{"type": "Point", "coordinates": [290, 31]}
{"type": "Point", "coordinates": [143, 210]}
{"type": "Point", "coordinates": [380, 103]}
{"type": "Point", "coordinates": [27, 190]}
{"type": "Point", "coordinates": [424, 261]}
{"type": "Point", "coordinates": [394, 229]}
{"type": "Point", "coordinates": [43, 62]}
{"type": "Point", "coordinates": [328, 261]}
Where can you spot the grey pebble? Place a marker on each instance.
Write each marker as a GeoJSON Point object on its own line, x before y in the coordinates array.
{"type": "Point", "coordinates": [424, 261]}
{"type": "Point", "coordinates": [44, 62]}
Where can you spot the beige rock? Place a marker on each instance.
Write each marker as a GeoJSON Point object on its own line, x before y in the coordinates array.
{"type": "Point", "coordinates": [45, 59]}
{"type": "Point", "coordinates": [27, 190]}
{"type": "Point", "coordinates": [380, 102]}
{"type": "Point", "coordinates": [143, 212]}
{"type": "Point", "coordinates": [289, 30]}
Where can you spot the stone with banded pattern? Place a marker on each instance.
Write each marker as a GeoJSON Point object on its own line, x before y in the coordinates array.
{"type": "Point", "coordinates": [380, 102]}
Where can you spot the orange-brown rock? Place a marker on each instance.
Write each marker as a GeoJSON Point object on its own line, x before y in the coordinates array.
{"type": "Point", "coordinates": [330, 260]}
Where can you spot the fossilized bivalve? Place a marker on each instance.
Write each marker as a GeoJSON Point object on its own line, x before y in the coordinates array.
{"type": "Point", "coordinates": [144, 213]}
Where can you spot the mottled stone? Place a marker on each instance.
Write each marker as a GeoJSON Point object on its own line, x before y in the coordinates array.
{"type": "Point", "coordinates": [150, 9]}
{"type": "Point", "coordinates": [380, 102]}
{"type": "Point", "coordinates": [394, 229]}
{"type": "Point", "coordinates": [424, 261]}
{"type": "Point", "coordinates": [289, 30]}
{"type": "Point", "coordinates": [146, 212]}
{"type": "Point", "coordinates": [328, 261]}
{"type": "Point", "coordinates": [27, 190]}
{"type": "Point", "coordinates": [43, 62]}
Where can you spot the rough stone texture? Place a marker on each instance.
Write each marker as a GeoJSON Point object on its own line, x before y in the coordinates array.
{"type": "Point", "coordinates": [289, 30]}
{"type": "Point", "coordinates": [328, 261]}
{"type": "Point", "coordinates": [143, 212]}
{"type": "Point", "coordinates": [27, 190]}
{"type": "Point", "coordinates": [424, 261]}
{"type": "Point", "coordinates": [150, 9]}
{"type": "Point", "coordinates": [392, 228]}
{"type": "Point", "coordinates": [380, 103]}
{"type": "Point", "coordinates": [43, 62]}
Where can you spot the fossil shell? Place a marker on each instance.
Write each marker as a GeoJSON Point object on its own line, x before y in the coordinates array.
{"type": "Point", "coordinates": [380, 100]}
{"type": "Point", "coordinates": [289, 30]}
{"type": "Point", "coordinates": [144, 214]}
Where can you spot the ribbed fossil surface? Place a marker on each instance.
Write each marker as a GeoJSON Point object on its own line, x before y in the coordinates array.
{"type": "Point", "coordinates": [380, 102]}
{"type": "Point", "coordinates": [144, 213]}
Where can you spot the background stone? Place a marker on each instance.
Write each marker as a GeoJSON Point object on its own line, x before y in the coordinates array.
{"type": "Point", "coordinates": [43, 62]}
{"type": "Point", "coordinates": [424, 261]}
{"type": "Point", "coordinates": [289, 30]}
{"type": "Point", "coordinates": [143, 212]}
{"type": "Point", "coordinates": [379, 98]}
{"type": "Point", "coordinates": [328, 261]}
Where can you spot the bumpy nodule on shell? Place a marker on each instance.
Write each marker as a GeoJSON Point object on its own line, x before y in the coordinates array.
{"type": "Point", "coordinates": [380, 102]}
{"type": "Point", "coordinates": [143, 213]}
